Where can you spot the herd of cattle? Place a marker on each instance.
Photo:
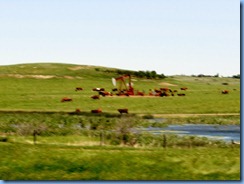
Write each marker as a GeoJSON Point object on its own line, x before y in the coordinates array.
{"type": "Point", "coordinates": [156, 92]}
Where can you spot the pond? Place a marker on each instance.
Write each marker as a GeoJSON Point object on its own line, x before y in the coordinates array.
{"type": "Point", "coordinates": [221, 132]}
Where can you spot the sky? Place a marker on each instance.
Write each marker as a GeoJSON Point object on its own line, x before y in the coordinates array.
{"type": "Point", "coordinates": [173, 37]}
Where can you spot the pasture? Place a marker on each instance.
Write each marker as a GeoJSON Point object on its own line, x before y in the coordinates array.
{"type": "Point", "coordinates": [79, 145]}
{"type": "Point", "coordinates": [41, 88]}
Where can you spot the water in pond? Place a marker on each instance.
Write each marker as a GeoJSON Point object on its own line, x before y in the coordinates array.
{"type": "Point", "coordinates": [221, 132]}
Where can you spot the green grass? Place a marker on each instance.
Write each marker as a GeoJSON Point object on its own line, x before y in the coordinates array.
{"type": "Point", "coordinates": [57, 162]}
{"type": "Point", "coordinates": [65, 151]}
{"type": "Point", "coordinates": [204, 94]}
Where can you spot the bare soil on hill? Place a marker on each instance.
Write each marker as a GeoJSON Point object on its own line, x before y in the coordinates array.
{"type": "Point", "coordinates": [167, 84]}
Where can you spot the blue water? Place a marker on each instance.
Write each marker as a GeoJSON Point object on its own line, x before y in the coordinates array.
{"type": "Point", "coordinates": [220, 132]}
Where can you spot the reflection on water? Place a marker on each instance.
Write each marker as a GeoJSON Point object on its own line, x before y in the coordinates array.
{"type": "Point", "coordinates": [223, 132]}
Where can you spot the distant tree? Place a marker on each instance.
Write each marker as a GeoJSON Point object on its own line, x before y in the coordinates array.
{"type": "Point", "coordinates": [153, 74]}
{"type": "Point", "coordinates": [148, 75]}
{"type": "Point", "coordinates": [201, 75]}
{"type": "Point", "coordinates": [162, 76]}
{"type": "Point", "coordinates": [217, 75]}
{"type": "Point", "coordinates": [236, 76]}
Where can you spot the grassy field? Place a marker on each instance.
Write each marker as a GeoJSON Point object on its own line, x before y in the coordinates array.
{"type": "Point", "coordinates": [24, 87]}
{"type": "Point", "coordinates": [83, 146]}
{"type": "Point", "coordinates": [58, 161]}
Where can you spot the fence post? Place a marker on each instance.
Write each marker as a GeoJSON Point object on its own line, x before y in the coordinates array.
{"type": "Point", "coordinates": [34, 136]}
{"type": "Point", "coordinates": [164, 141]}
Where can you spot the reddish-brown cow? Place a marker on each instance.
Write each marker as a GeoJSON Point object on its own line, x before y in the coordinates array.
{"type": "Point", "coordinates": [66, 99]}
{"type": "Point", "coordinates": [78, 89]}
{"type": "Point", "coordinates": [96, 111]}
{"type": "Point", "coordinates": [181, 94]}
{"type": "Point", "coordinates": [121, 111]}
{"type": "Point", "coordinates": [77, 110]}
{"type": "Point", "coordinates": [184, 88]}
{"type": "Point", "coordinates": [98, 89]}
{"type": "Point", "coordinates": [164, 89]}
{"type": "Point", "coordinates": [95, 97]}
{"type": "Point", "coordinates": [225, 92]}
{"type": "Point", "coordinates": [104, 93]}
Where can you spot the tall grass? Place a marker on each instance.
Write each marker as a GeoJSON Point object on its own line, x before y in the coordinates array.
{"type": "Point", "coordinates": [57, 162]}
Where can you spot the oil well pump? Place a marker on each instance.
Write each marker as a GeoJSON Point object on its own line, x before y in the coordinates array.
{"type": "Point", "coordinates": [124, 88]}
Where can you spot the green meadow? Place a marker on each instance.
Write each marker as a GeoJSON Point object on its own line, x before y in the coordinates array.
{"type": "Point", "coordinates": [71, 145]}
{"type": "Point", "coordinates": [27, 87]}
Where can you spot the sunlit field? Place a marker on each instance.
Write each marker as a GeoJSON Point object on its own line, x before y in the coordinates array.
{"type": "Point", "coordinates": [42, 138]}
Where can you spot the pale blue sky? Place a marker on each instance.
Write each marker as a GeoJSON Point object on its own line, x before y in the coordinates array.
{"type": "Point", "coordinates": [168, 36]}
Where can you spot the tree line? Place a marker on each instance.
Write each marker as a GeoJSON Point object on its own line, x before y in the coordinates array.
{"type": "Point", "coordinates": [139, 74]}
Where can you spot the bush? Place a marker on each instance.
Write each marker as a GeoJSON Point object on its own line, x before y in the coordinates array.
{"type": "Point", "coordinates": [3, 139]}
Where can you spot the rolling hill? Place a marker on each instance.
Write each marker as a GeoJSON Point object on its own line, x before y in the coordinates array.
{"type": "Point", "coordinates": [40, 87]}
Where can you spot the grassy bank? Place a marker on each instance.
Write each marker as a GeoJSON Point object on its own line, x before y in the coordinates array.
{"type": "Point", "coordinates": [62, 162]}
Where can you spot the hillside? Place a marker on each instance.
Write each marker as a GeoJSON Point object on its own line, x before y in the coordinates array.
{"type": "Point", "coordinates": [40, 87]}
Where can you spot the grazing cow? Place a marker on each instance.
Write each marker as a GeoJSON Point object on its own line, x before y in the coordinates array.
{"type": "Point", "coordinates": [175, 91]}
{"type": "Point", "coordinates": [121, 111]}
{"type": "Point", "coordinates": [78, 89]}
{"type": "Point", "coordinates": [140, 93]}
{"type": "Point", "coordinates": [96, 111]}
{"type": "Point", "coordinates": [104, 93]}
{"type": "Point", "coordinates": [114, 89]}
{"type": "Point", "coordinates": [164, 94]}
{"type": "Point", "coordinates": [164, 89]}
{"type": "Point", "coordinates": [181, 94]}
{"type": "Point", "coordinates": [66, 99]}
{"type": "Point", "coordinates": [98, 89]}
{"type": "Point", "coordinates": [77, 110]}
{"type": "Point", "coordinates": [184, 88]}
{"type": "Point", "coordinates": [95, 97]}
{"type": "Point", "coordinates": [157, 90]}
{"type": "Point", "coordinates": [225, 92]}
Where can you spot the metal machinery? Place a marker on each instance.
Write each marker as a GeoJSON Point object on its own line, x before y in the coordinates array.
{"type": "Point", "coordinates": [124, 89]}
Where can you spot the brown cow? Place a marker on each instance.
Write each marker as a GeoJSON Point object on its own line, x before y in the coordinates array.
{"type": "Point", "coordinates": [225, 92]}
{"type": "Point", "coordinates": [140, 93]}
{"type": "Point", "coordinates": [181, 94]}
{"type": "Point", "coordinates": [96, 111]}
{"type": "Point", "coordinates": [78, 89]}
{"type": "Point", "coordinates": [121, 111]}
{"type": "Point", "coordinates": [164, 94]}
{"type": "Point", "coordinates": [66, 99]}
{"type": "Point", "coordinates": [157, 90]}
{"type": "Point", "coordinates": [77, 110]}
{"type": "Point", "coordinates": [98, 89]}
{"type": "Point", "coordinates": [104, 93]}
{"type": "Point", "coordinates": [95, 97]}
{"type": "Point", "coordinates": [164, 89]}
{"type": "Point", "coordinates": [184, 88]}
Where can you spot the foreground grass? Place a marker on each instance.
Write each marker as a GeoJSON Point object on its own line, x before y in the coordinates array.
{"type": "Point", "coordinates": [62, 162]}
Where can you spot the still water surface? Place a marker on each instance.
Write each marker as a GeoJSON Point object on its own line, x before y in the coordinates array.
{"type": "Point", "coordinates": [221, 132]}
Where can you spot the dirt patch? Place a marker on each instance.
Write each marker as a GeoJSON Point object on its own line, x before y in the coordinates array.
{"type": "Point", "coordinates": [68, 77]}
{"type": "Point", "coordinates": [167, 84]}
{"type": "Point", "coordinates": [31, 76]}
{"type": "Point", "coordinates": [76, 67]}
